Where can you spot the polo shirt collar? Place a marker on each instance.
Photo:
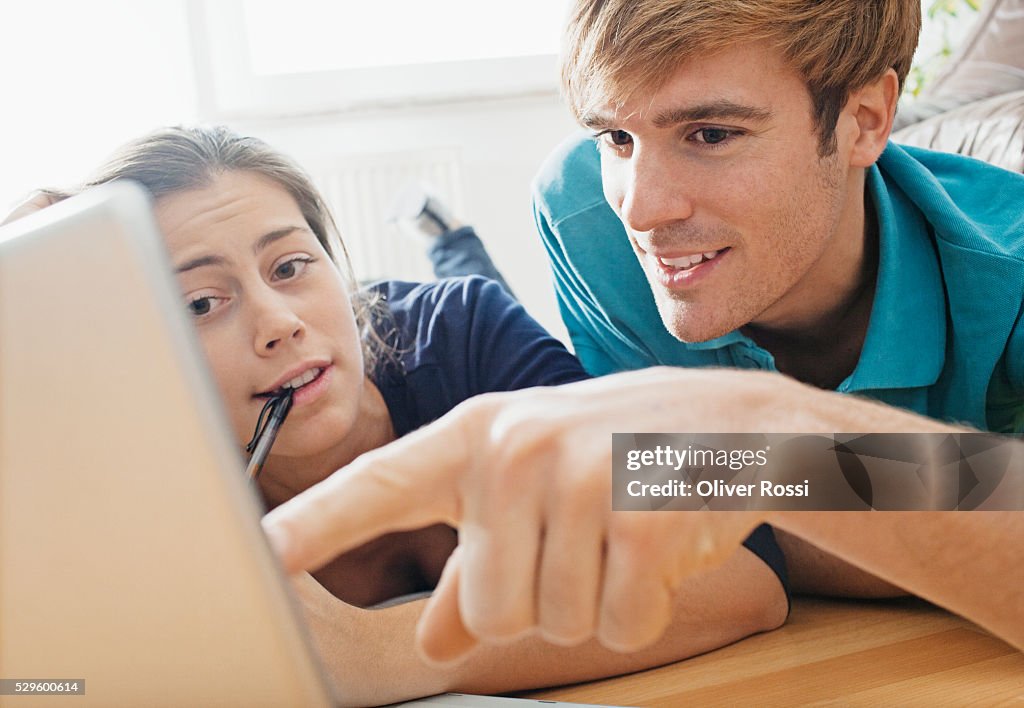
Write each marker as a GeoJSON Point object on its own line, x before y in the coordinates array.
{"type": "Point", "coordinates": [727, 339]}
{"type": "Point", "coordinates": [905, 344]}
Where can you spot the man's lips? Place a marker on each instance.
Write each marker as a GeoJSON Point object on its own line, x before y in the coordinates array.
{"type": "Point", "coordinates": [685, 261]}
{"type": "Point", "coordinates": [678, 272]}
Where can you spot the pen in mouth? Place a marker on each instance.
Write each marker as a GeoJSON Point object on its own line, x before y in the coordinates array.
{"type": "Point", "coordinates": [267, 425]}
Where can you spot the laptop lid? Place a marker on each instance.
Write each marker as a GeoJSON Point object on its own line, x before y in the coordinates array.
{"type": "Point", "coordinates": [131, 555]}
{"type": "Point", "coordinates": [133, 568]}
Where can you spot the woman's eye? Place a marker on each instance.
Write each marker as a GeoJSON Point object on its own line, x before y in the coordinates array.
{"type": "Point", "coordinates": [291, 267]}
{"type": "Point", "coordinates": [285, 270]}
{"type": "Point", "coordinates": [202, 306]}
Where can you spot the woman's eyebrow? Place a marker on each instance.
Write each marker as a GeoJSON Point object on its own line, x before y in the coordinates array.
{"type": "Point", "coordinates": [199, 263]}
{"type": "Point", "coordinates": [261, 243]}
{"type": "Point", "coordinates": [276, 235]}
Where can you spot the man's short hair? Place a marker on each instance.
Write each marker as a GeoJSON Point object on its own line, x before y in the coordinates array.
{"type": "Point", "coordinates": [614, 48]}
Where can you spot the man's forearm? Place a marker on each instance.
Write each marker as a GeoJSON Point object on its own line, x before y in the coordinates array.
{"type": "Point", "coordinates": [967, 562]}
{"type": "Point", "coordinates": [526, 445]}
{"type": "Point", "coordinates": [970, 562]}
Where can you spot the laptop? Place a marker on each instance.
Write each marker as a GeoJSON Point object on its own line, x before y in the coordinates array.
{"type": "Point", "coordinates": [132, 561]}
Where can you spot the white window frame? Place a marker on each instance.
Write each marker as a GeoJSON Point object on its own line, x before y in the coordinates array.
{"type": "Point", "coordinates": [227, 87]}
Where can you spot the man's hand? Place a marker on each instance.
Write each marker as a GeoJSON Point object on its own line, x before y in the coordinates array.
{"type": "Point", "coordinates": [526, 477]}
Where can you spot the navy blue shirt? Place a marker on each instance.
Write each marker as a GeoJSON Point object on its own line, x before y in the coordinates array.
{"type": "Point", "coordinates": [460, 337]}
{"type": "Point", "coordinates": [457, 338]}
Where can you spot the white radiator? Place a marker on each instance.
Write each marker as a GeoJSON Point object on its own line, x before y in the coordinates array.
{"type": "Point", "coordinates": [359, 191]}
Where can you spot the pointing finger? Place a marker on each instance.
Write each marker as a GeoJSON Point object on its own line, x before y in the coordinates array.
{"type": "Point", "coordinates": [406, 485]}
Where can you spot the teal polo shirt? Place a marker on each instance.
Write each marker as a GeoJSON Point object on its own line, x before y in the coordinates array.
{"type": "Point", "coordinates": [946, 333]}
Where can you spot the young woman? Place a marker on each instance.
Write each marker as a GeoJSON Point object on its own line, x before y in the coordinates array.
{"type": "Point", "coordinates": [266, 280]}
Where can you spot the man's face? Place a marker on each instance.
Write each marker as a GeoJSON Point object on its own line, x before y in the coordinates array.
{"type": "Point", "coordinates": [734, 216]}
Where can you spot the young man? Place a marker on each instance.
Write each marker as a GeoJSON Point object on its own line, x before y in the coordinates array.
{"type": "Point", "coordinates": [741, 175]}
{"type": "Point", "coordinates": [743, 209]}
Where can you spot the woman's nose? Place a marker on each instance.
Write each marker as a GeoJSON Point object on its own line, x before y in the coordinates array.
{"type": "Point", "coordinates": [276, 323]}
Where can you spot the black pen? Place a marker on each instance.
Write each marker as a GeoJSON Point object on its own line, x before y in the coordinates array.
{"type": "Point", "coordinates": [263, 438]}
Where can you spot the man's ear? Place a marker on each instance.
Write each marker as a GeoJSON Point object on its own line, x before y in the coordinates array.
{"type": "Point", "coordinates": [872, 109]}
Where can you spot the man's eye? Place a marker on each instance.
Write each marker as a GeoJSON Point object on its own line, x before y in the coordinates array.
{"type": "Point", "coordinates": [714, 136]}
{"type": "Point", "coordinates": [614, 138]}
{"type": "Point", "coordinates": [619, 137]}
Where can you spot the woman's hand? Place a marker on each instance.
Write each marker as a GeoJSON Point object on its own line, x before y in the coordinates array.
{"type": "Point", "coordinates": [363, 651]}
{"type": "Point", "coordinates": [37, 201]}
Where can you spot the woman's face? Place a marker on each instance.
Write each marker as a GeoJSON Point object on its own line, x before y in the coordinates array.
{"type": "Point", "coordinates": [270, 307]}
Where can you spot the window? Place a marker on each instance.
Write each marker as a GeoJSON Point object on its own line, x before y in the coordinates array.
{"type": "Point", "coordinates": [79, 79]}
{"type": "Point", "coordinates": [265, 58]}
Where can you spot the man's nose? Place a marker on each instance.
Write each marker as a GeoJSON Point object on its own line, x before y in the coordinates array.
{"type": "Point", "coordinates": [276, 322]}
{"type": "Point", "coordinates": [652, 191]}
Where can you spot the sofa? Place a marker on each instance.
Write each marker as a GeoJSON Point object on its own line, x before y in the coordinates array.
{"type": "Point", "coordinates": [975, 107]}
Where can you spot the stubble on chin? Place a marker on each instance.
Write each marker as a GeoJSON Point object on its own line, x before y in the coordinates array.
{"type": "Point", "coordinates": [693, 322]}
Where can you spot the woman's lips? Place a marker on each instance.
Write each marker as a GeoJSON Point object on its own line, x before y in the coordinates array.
{"type": "Point", "coordinates": [309, 391]}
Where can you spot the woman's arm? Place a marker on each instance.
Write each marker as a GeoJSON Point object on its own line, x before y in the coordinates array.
{"type": "Point", "coordinates": [33, 203]}
{"type": "Point", "coordinates": [814, 571]}
{"type": "Point", "coordinates": [365, 650]}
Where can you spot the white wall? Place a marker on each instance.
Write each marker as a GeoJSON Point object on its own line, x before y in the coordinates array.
{"type": "Point", "coordinates": [78, 79]}
{"type": "Point", "coordinates": [501, 144]}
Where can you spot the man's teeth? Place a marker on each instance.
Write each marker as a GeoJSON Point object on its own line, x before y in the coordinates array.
{"type": "Point", "coordinates": [684, 262]}
{"type": "Point", "coordinates": [302, 379]}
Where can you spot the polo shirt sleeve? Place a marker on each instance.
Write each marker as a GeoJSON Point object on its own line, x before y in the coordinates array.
{"type": "Point", "coordinates": [572, 300]}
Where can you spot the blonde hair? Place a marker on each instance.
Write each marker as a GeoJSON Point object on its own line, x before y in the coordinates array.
{"type": "Point", "coordinates": [614, 48]}
{"type": "Point", "coordinates": [177, 159]}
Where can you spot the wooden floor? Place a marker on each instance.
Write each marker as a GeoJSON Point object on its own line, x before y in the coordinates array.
{"type": "Point", "coordinates": [833, 653]}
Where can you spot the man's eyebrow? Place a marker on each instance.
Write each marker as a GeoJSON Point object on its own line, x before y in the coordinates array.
{"type": "Point", "coordinates": [723, 108]}
{"type": "Point", "coordinates": [263, 241]}
{"type": "Point", "coordinates": [596, 120]}
{"type": "Point", "coordinates": [709, 111]}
